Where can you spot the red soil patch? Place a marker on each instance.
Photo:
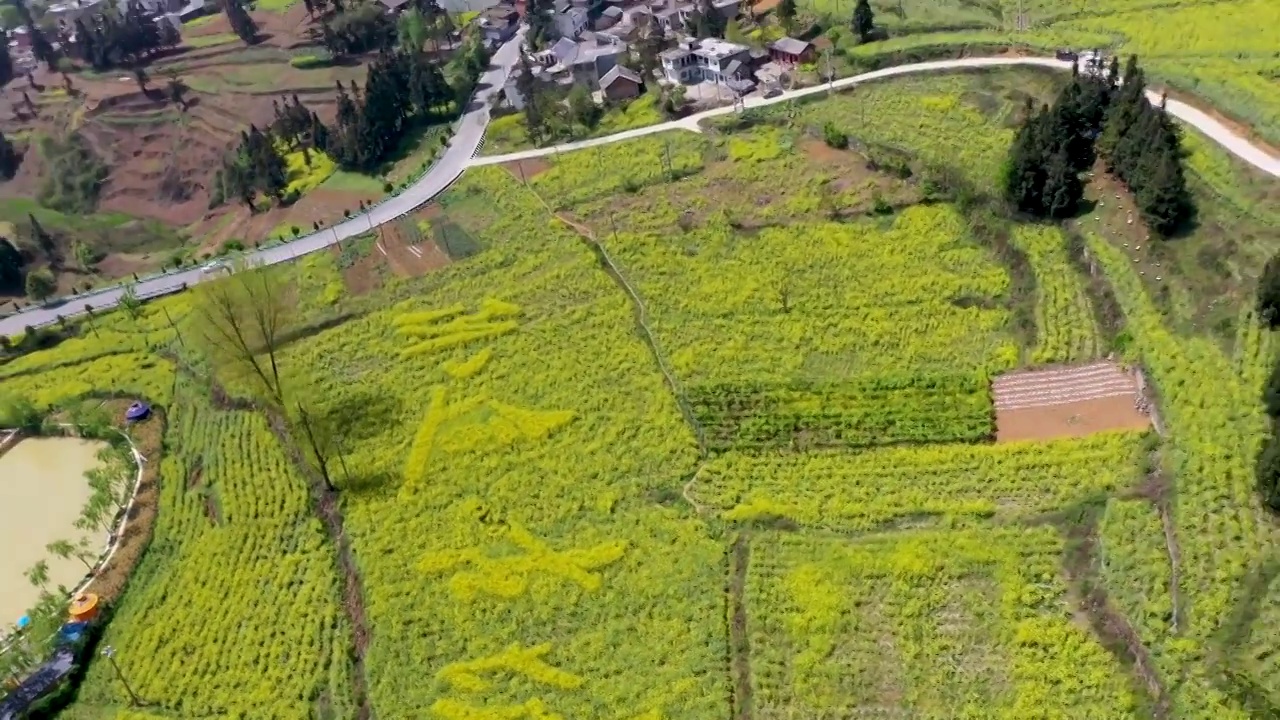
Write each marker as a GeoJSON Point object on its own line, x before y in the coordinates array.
{"type": "Point", "coordinates": [764, 6]}
{"type": "Point", "coordinates": [235, 222]}
{"type": "Point", "coordinates": [1066, 402]}
{"type": "Point", "coordinates": [527, 169]}
{"type": "Point", "coordinates": [364, 276]}
{"type": "Point", "coordinates": [821, 152]}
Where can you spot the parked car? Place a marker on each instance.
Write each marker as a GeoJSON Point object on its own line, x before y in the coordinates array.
{"type": "Point", "coordinates": [773, 92]}
{"type": "Point", "coordinates": [1067, 55]}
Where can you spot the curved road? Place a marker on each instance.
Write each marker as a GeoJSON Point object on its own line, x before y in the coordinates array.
{"type": "Point", "coordinates": [470, 133]}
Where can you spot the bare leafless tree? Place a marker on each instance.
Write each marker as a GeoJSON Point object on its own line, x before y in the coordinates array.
{"type": "Point", "coordinates": [245, 320]}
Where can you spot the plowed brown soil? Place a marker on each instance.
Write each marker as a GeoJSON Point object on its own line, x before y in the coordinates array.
{"type": "Point", "coordinates": [1075, 419]}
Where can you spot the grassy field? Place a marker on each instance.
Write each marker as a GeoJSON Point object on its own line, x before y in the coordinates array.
{"type": "Point", "coordinates": [701, 428]}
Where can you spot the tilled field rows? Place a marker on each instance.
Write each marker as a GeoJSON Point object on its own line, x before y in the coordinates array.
{"type": "Point", "coordinates": [1047, 388]}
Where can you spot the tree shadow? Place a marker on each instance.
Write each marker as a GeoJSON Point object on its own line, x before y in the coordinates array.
{"type": "Point", "coordinates": [363, 415]}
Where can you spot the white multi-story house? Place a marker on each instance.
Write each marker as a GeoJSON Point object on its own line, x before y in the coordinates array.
{"type": "Point", "coordinates": [570, 19]}
{"type": "Point", "coordinates": [709, 60]}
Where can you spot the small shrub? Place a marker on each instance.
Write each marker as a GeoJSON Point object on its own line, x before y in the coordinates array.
{"type": "Point", "coordinates": [834, 137]}
{"type": "Point", "coordinates": [310, 62]}
{"type": "Point", "coordinates": [296, 232]}
{"type": "Point", "coordinates": [387, 187]}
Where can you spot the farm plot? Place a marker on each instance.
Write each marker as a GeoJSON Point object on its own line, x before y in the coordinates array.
{"type": "Point", "coordinates": [857, 492]}
{"type": "Point", "coordinates": [958, 624]}
{"type": "Point", "coordinates": [1215, 426]}
{"type": "Point", "coordinates": [766, 324]}
{"type": "Point", "coordinates": [234, 609]}
{"type": "Point", "coordinates": [855, 412]}
{"type": "Point", "coordinates": [510, 436]}
{"type": "Point", "coordinates": [1067, 401]}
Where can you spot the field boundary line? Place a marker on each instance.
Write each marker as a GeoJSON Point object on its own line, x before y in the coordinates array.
{"type": "Point", "coordinates": [641, 314]}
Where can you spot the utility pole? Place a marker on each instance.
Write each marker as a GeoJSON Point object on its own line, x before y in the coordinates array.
{"type": "Point", "coordinates": [173, 325]}
{"type": "Point", "coordinates": [109, 653]}
{"type": "Point", "coordinates": [831, 75]}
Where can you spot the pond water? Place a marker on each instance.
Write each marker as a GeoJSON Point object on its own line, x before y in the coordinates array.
{"type": "Point", "coordinates": [42, 490]}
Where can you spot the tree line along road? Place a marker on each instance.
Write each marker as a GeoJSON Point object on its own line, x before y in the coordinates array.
{"type": "Point", "coordinates": [469, 134]}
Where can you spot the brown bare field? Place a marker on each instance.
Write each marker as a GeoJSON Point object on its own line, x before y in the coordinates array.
{"type": "Point", "coordinates": [162, 158]}
{"type": "Point", "coordinates": [1075, 419]}
{"type": "Point", "coordinates": [1066, 402]}
{"type": "Point", "coordinates": [527, 169]}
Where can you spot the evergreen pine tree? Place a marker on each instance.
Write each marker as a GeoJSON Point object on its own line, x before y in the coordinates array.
{"type": "Point", "coordinates": [1269, 297]}
{"type": "Point", "coordinates": [711, 23]}
{"type": "Point", "coordinates": [1267, 474]}
{"type": "Point", "coordinates": [1024, 172]}
{"type": "Point", "coordinates": [786, 11]}
{"type": "Point", "coordinates": [1063, 190]}
{"type": "Point", "coordinates": [1163, 199]}
{"type": "Point", "coordinates": [241, 23]}
{"type": "Point", "coordinates": [864, 20]}
{"type": "Point", "coordinates": [542, 28]}
{"type": "Point", "coordinates": [9, 159]}
{"type": "Point", "coordinates": [10, 267]}
{"type": "Point", "coordinates": [6, 61]}
{"type": "Point", "coordinates": [530, 90]}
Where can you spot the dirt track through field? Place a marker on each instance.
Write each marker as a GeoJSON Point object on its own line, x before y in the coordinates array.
{"type": "Point", "coordinates": [1066, 402]}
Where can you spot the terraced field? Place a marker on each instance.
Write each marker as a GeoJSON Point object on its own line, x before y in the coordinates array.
{"type": "Point", "coordinates": [678, 440]}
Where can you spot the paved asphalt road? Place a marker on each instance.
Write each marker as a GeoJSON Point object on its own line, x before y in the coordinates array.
{"type": "Point", "coordinates": [466, 141]}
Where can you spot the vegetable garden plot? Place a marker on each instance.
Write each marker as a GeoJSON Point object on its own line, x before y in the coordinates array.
{"type": "Point", "coordinates": [856, 492]}
{"type": "Point", "coordinates": [870, 411]}
{"type": "Point", "coordinates": [959, 624]}
{"type": "Point", "coordinates": [1071, 401]}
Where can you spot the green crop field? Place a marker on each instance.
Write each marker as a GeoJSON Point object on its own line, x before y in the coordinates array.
{"type": "Point", "coordinates": [702, 426]}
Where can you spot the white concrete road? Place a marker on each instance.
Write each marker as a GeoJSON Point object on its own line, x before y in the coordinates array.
{"type": "Point", "coordinates": [470, 132]}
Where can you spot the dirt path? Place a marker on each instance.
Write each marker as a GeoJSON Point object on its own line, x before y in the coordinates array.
{"type": "Point", "coordinates": [1111, 627]}
{"type": "Point", "coordinates": [739, 639]}
{"type": "Point", "coordinates": [327, 509]}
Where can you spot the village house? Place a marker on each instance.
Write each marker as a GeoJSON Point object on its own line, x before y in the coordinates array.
{"type": "Point", "coordinates": [584, 61]}
{"type": "Point", "coordinates": [20, 40]}
{"type": "Point", "coordinates": [69, 12]}
{"type": "Point", "coordinates": [570, 20]}
{"type": "Point", "coordinates": [790, 51]}
{"type": "Point", "coordinates": [610, 17]}
{"type": "Point", "coordinates": [708, 60]}
{"type": "Point", "coordinates": [621, 83]}
{"type": "Point", "coordinates": [499, 23]}
{"type": "Point", "coordinates": [394, 7]}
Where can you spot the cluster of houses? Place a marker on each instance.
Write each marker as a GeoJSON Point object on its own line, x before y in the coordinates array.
{"type": "Point", "coordinates": [593, 51]}
{"type": "Point", "coordinates": [65, 14]}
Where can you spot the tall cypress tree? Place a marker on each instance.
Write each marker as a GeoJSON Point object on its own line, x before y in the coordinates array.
{"type": "Point", "coordinates": [1063, 190]}
{"type": "Point", "coordinates": [864, 20]}
{"type": "Point", "coordinates": [1024, 172]}
{"type": "Point", "coordinates": [9, 158]}
{"type": "Point", "coordinates": [241, 23]}
{"type": "Point", "coordinates": [10, 266]}
{"type": "Point", "coordinates": [6, 62]}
